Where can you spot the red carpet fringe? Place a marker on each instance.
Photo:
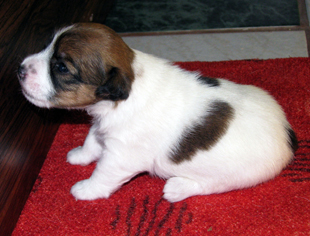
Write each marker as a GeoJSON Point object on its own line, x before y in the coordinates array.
{"type": "Point", "coordinates": [278, 207]}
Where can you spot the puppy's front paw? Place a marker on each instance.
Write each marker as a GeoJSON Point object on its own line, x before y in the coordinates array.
{"type": "Point", "coordinates": [77, 157]}
{"type": "Point", "coordinates": [178, 188]}
{"type": "Point", "coordinates": [88, 190]}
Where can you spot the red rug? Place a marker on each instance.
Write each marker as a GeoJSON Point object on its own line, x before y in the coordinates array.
{"type": "Point", "coordinates": [278, 207]}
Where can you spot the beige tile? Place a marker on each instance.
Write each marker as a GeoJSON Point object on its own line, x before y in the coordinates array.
{"type": "Point", "coordinates": [223, 46]}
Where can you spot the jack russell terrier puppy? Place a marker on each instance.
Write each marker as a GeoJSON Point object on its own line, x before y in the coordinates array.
{"type": "Point", "coordinates": [204, 135]}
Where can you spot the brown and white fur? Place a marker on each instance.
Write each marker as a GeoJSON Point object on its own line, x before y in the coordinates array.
{"type": "Point", "coordinates": [203, 135]}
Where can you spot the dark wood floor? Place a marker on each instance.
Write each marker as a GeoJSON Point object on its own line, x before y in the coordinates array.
{"type": "Point", "coordinates": [26, 132]}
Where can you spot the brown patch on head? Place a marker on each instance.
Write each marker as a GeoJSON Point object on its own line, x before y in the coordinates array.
{"type": "Point", "coordinates": [82, 96]}
{"type": "Point", "coordinates": [90, 63]}
{"type": "Point", "coordinates": [204, 135]}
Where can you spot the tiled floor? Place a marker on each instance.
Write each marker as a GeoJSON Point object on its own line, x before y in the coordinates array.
{"type": "Point", "coordinates": [223, 46]}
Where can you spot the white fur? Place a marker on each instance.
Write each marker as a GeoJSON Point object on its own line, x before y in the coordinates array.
{"type": "Point", "coordinates": [139, 133]}
{"type": "Point", "coordinates": [39, 87]}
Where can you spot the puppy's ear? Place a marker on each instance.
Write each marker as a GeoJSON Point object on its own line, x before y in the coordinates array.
{"type": "Point", "coordinates": [117, 86]}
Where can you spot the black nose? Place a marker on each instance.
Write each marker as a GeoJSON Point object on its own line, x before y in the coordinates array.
{"type": "Point", "coordinates": [22, 72]}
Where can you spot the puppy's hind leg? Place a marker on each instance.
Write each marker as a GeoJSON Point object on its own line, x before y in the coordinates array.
{"type": "Point", "coordinates": [178, 188]}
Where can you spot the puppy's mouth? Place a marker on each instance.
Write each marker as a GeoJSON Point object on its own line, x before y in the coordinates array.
{"type": "Point", "coordinates": [36, 101]}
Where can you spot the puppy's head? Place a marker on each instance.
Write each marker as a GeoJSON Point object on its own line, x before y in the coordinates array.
{"type": "Point", "coordinates": [84, 64]}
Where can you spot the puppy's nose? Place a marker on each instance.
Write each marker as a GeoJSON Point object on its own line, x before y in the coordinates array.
{"type": "Point", "coordinates": [22, 72]}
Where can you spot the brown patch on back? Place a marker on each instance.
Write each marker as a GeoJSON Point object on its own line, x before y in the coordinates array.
{"type": "Point", "coordinates": [205, 135]}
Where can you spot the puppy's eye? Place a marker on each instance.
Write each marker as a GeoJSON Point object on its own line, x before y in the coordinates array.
{"type": "Point", "coordinates": [62, 68]}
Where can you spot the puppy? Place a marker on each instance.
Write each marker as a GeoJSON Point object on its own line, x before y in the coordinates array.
{"type": "Point", "coordinates": [203, 135]}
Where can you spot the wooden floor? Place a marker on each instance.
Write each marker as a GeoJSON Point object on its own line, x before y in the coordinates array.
{"type": "Point", "coordinates": [26, 132]}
